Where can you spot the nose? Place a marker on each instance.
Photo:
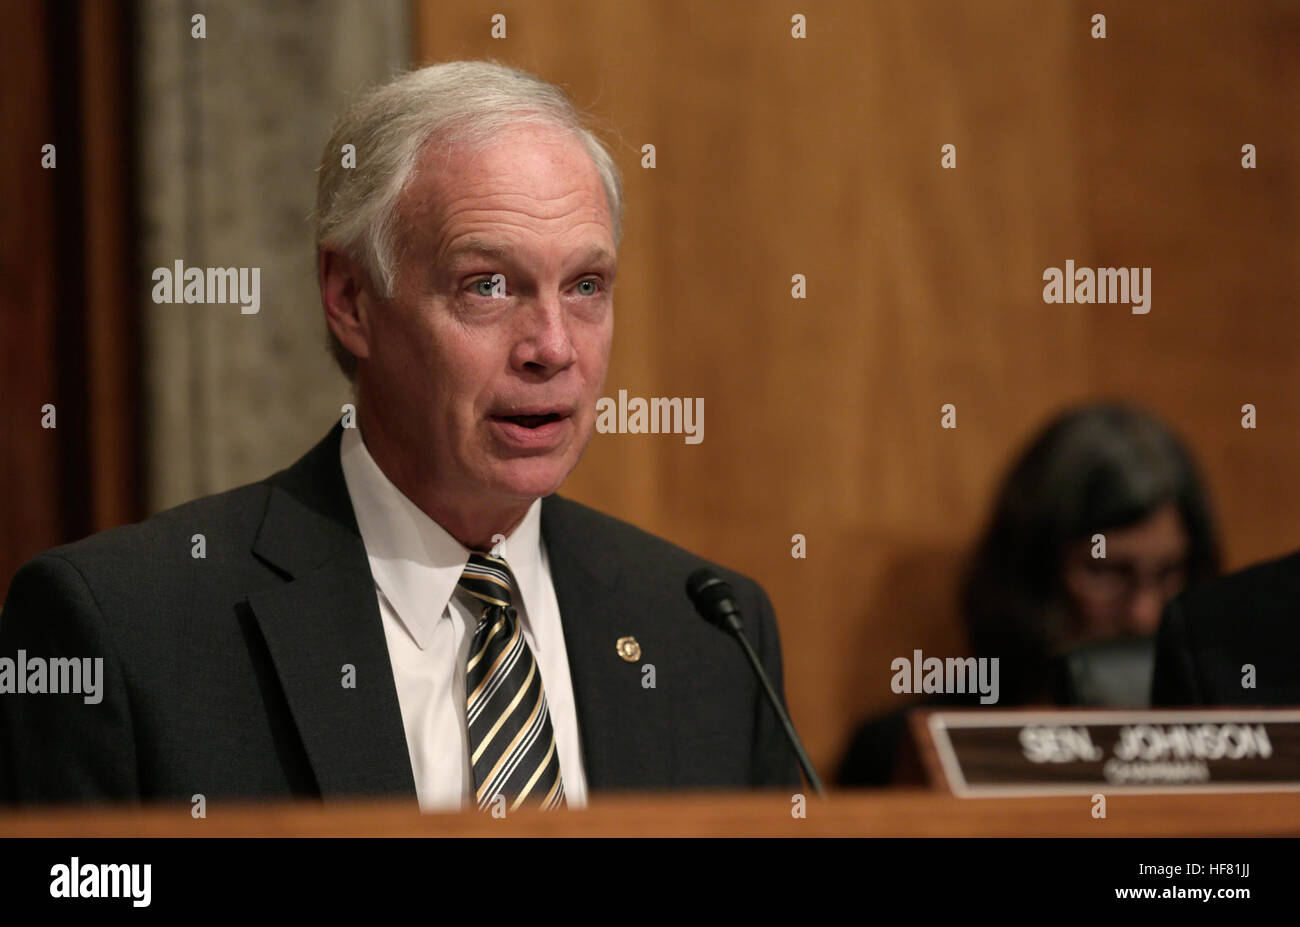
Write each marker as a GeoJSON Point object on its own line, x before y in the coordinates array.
{"type": "Point", "coordinates": [1144, 611]}
{"type": "Point", "coordinates": [544, 343]}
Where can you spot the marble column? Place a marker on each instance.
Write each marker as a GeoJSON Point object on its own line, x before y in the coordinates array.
{"type": "Point", "coordinates": [230, 129]}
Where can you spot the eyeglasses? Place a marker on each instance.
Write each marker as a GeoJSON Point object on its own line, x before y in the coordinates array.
{"type": "Point", "coordinates": [1122, 580]}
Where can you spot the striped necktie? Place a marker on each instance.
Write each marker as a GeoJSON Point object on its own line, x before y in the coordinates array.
{"type": "Point", "coordinates": [512, 744]}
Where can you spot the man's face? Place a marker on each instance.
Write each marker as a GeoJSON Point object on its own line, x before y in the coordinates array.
{"type": "Point", "coordinates": [491, 385]}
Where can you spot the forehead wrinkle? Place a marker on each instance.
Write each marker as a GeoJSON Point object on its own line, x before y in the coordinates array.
{"type": "Point", "coordinates": [531, 206]}
{"type": "Point", "coordinates": [431, 210]}
{"type": "Point", "coordinates": [489, 235]}
{"type": "Point", "coordinates": [454, 192]}
{"type": "Point", "coordinates": [497, 232]}
{"type": "Point", "coordinates": [474, 201]}
{"type": "Point", "coordinates": [511, 253]}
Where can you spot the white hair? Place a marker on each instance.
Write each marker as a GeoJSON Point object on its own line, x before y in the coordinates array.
{"type": "Point", "coordinates": [462, 104]}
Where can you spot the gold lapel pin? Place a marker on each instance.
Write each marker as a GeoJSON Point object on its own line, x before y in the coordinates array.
{"type": "Point", "coordinates": [628, 649]}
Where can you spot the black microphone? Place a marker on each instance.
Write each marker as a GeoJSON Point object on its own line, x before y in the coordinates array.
{"type": "Point", "coordinates": [716, 602]}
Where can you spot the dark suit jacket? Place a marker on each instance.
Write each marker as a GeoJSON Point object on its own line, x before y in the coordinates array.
{"type": "Point", "coordinates": [223, 675]}
{"type": "Point", "coordinates": [877, 750]}
{"type": "Point", "coordinates": [1210, 631]}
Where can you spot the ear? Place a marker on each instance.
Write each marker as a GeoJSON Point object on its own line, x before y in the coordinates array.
{"type": "Point", "coordinates": [348, 300]}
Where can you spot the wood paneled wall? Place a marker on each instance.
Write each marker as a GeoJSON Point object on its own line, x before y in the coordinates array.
{"type": "Point", "coordinates": [778, 156]}
{"type": "Point", "coordinates": [29, 459]}
{"type": "Point", "coordinates": [67, 324]}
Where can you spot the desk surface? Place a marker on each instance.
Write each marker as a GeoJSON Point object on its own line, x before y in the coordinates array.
{"type": "Point", "coordinates": [893, 813]}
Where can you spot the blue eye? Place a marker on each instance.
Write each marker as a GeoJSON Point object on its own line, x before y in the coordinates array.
{"type": "Point", "coordinates": [588, 283]}
{"type": "Point", "coordinates": [483, 287]}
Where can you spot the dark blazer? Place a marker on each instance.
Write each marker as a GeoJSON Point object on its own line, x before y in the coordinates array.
{"type": "Point", "coordinates": [877, 750]}
{"type": "Point", "coordinates": [223, 675]}
{"type": "Point", "coordinates": [1212, 630]}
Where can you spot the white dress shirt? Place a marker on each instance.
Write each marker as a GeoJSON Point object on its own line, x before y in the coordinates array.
{"type": "Point", "coordinates": [429, 625]}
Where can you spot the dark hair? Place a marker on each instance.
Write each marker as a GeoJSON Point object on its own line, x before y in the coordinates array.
{"type": "Point", "coordinates": [1092, 469]}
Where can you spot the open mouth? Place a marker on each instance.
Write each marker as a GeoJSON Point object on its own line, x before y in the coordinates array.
{"type": "Point", "coordinates": [530, 421]}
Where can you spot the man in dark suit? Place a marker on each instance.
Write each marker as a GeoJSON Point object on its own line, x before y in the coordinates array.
{"type": "Point", "coordinates": [1233, 641]}
{"type": "Point", "coordinates": [409, 609]}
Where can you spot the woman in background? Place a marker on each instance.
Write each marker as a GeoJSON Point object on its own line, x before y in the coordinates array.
{"type": "Point", "coordinates": [1033, 589]}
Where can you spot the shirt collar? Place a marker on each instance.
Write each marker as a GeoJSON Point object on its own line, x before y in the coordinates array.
{"type": "Point", "coordinates": [415, 562]}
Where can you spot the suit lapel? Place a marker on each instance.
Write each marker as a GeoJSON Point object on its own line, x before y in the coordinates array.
{"type": "Point", "coordinates": [326, 618]}
{"type": "Point", "coordinates": [624, 727]}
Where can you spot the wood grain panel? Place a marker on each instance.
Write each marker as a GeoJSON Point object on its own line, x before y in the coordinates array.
{"type": "Point", "coordinates": [29, 515]}
{"type": "Point", "coordinates": [68, 318]}
{"type": "Point", "coordinates": [895, 813]}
